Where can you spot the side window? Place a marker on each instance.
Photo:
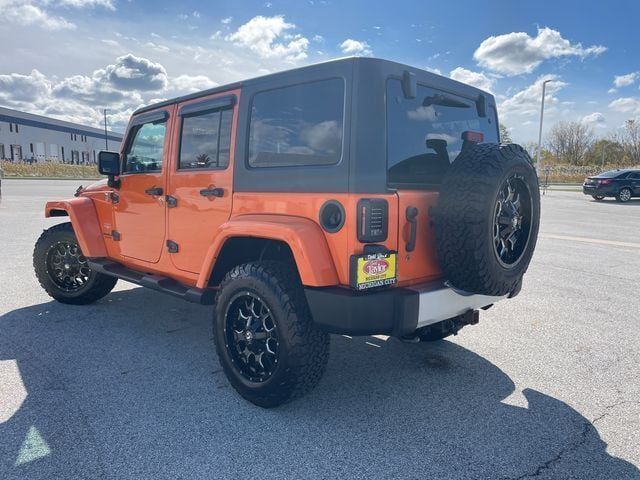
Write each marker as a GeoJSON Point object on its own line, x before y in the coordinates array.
{"type": "Point", "coordinates": [206, 140]}
{"type": "Point", "coordinates": [297, 125]}
{"type": "Point", "coordinates": [634, 176]}
{"type": "Point", "coordinates": [145, 150]}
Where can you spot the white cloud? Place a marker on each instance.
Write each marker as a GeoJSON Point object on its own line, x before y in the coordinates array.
{"type": "Point", "coordinates": [595, 119]}
{"type": "Point", "coordinates": [625, 80]}
{"type": "Point", "coordinates": [626, 105]}
{"type": "Point", "coordinates": [477, 79]}
{"type": "Point", "coordinates": [184, 84]}
{"type": "Point", "coordinates": [226, 21]}
{"type": "Point", "coordinates": [264, 35]}
{"type": "Point", "coordinates": [158, 47]}
{"type": "Point", "coordinates": [517, 52]}
{"type": "Point", "coordinates": [527, 102]}
{"type": "Point", "coordinates": [355, 47]}
{"type": "Point", "coordinates": [136, 73]}
{"type": "Point", "coordinates": [30, 14]}
{"type": "Point", "coordinates": [16, 88]}
{"type": "Point", "coordinates": [108, 4]}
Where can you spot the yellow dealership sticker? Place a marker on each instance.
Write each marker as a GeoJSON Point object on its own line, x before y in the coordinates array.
{"type": "Point", "coordinates": [373, 270]}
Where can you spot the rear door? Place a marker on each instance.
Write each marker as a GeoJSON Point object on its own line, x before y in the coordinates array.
{"type": "Point", "coordinates": [139, 215]}
{"type": "Point", "coordinates": [634, 180]}
{"type": "Point", "coordinates": [425, 134]}
{"type": "Point", "coordinates": [201, 181]}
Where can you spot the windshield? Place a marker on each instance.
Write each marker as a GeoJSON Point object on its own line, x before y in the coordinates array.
{"type": "Point", "coordinates": [425, 134]}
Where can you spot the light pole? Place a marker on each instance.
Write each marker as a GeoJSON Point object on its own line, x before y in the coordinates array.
{"type": "Point", "coordinates": [106, 137]}
{"type": "Point", "coordinates": [544, 85]}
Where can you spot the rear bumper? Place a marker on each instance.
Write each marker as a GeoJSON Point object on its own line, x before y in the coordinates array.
{"type": "Point", "coordinates": [605, 191]}
{"type": "Point", "coordinates": [395, 311]}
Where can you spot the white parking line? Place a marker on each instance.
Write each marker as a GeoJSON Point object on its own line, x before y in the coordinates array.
{"type": "Point", "coordinates": [598, 241]}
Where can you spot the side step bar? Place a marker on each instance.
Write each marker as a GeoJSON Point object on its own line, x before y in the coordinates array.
{"type": "Point", "coordinates": [154, 282]}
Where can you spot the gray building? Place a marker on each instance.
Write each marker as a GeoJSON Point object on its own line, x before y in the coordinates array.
{"type": "Point", "coordinates": [25, 137]}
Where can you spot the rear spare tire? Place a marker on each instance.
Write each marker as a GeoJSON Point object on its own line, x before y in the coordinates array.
{"type": "Point", "coordinates": [487, 219]}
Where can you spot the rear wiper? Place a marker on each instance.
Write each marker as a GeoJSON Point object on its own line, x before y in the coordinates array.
{"type": "Point", "coordinates": [443, 101]}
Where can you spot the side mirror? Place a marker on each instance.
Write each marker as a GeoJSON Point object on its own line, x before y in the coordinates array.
{"type": "Point", "coordinates": [109, 164]}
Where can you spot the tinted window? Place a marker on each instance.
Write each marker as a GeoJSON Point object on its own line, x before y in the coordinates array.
{"type": "Point", "coordinates": [206, 140]}
{"type": "Point", "coordinates": [634, 175]}
{"type": "Point", "coordinates": [424, 134]}
{"type": "Point", "coordinates": [145, 152]}
{"type": "Point", "coordinates": [613, 174]}
{"type": "Point", "coordinates": [298, 125]}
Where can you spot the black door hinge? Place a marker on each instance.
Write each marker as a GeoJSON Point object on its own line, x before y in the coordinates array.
{"type": "Point", "coordinates": [115, 198]}
{"type": "Point", "coordinates": [115, 235]}
{"type": "Point", "coordinates": [172, 202]}
{"type": "Point", "coordinates": [172, 246]}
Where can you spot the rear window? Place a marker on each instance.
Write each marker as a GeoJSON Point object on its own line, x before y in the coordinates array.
{"type": "Point", "coordinates": [424, 134]}
{"type": "Point", "coordinates": [612, 174]}
{"type": "Point", "coordinates": [297, 125]}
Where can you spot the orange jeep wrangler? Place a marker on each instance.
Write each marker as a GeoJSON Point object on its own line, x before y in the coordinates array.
{"type": "Point", "coordinates": [358, 196]}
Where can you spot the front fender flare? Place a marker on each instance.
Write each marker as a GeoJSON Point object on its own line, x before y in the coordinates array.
{"type": "Point", "coordinates": [304, 237]}
{"type": "Point", "coordinates": [84, 220]}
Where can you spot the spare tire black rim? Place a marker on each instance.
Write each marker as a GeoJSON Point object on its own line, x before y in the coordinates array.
{"type": "Point", "coordinates": [512, 221]}
{"type": "Point", "coordinates": [251, 337]}
{"type": "Point", "coordinates": [67, 267]}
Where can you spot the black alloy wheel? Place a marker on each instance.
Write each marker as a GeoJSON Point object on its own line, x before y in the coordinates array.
{"type": "Point", "coordinates": [512, 221]}
{"type": "Point", "coordinates": [67, 267]}
{"type": "Point", "coordinates": [251, 337]}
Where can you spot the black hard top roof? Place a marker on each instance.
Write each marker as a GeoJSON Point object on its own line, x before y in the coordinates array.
{"type": "Point", "coordinates": [300, 70]}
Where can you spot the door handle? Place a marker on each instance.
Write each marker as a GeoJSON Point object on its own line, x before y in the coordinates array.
{"type": "Point", "coordinates": [155, 191]}
{"type": "Point", "coordinates": [411, 214]}
{"type": "Point", "coordinates": [212, 192]}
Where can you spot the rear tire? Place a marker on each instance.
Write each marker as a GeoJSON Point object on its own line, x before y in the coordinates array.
{"type": "Point", "coordinates": [624, 195]}
{"type": "Point", "coordinates": [487, 219]}
{"type": "Point", "coordinates": [598, 198]}
{"type": "Point", "coordinates": [267, 344]}
{"type": "Point", "coordinates": [62, 271]}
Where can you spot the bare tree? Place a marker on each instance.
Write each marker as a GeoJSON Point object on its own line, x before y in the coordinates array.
{"type": "Point", "coordinates": [569, 142]}
{"type": "Point", "coordinates": [630, 140]}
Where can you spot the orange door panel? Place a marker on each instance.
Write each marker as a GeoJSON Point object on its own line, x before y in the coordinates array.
{"type": "Point", "coordinates": [139, 215]}
{"type": "Point", "coordinates": [201, 180]}
{"type": "Point", "coordinates": [421, 263]}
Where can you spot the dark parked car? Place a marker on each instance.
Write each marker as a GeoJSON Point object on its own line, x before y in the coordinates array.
{"type": "Point", "coordinates": [621, 184]}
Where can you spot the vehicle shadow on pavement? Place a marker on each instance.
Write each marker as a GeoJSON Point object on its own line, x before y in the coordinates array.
{"type": "Point", "coordinates": [130, 388]}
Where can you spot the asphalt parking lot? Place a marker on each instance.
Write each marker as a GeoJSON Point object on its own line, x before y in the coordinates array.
{"type": "Point", "coordinates": [546, 386]}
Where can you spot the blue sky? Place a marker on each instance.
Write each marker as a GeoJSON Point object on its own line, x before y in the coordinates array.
{"type": "Point", "coordinates": [70, 58]}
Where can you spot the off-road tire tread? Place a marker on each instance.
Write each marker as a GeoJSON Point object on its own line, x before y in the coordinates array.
{"type": "Point", "coordinates": [308, 346]}
{"type": "Point", "coordinates": [101, 284]}
{"type": "Point", "coordinates": [468, 190]}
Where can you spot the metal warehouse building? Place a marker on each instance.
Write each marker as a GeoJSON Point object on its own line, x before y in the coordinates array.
{"type": "Point", "coordinates": [25, 137]}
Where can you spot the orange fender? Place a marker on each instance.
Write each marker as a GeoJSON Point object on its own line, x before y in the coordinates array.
{"type": "Point", "coordinates": [85, 223]}
{"type": "Point", "coordinates": [304, 237]}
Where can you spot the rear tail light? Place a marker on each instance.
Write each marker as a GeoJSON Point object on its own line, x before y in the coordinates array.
{"type": "Point", "coordinates": [606, 181]}
{"type": "Point", "coordinates": [373, 218]}
{"type": "Point", "coordinates": [472, 136]}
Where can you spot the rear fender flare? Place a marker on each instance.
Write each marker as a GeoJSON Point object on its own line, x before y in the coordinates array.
{"type": "Point", "coordinates": [84, 220]}
{"type": "Point", "coordinates": [303, 236]}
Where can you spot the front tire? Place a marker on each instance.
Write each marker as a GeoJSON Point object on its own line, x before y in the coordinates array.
{"type": "Point", "coordinates": [624, 195]}
{"type": "Point", "coordinates": [62, 269]}
{"type": "Point", "coordinates": [267, 344]}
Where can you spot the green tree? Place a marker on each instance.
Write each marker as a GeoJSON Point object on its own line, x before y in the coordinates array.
{"type": "Point", "coordinates": [605, 152]}
{"type": "Point", "coordinates": [505, 135]}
